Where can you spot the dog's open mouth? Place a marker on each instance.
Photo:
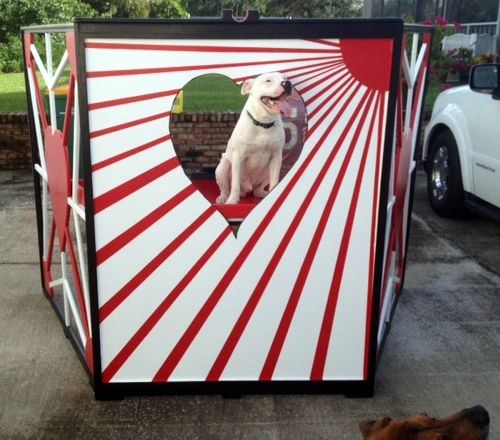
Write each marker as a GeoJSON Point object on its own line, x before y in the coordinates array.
{"type": "Point", "coordinates": [278, 104]}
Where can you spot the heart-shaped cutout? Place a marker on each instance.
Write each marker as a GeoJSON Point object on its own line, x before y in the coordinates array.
{"type": "Point", "coordinates": [204, 116]}
{"type": "Point", "coordinates": [58, 171]}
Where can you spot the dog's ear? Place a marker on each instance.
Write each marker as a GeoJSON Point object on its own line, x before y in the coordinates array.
{"type": "Point", "coordinates": [247, 86]}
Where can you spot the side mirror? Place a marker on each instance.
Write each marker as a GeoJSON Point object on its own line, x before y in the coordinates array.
{"type": "Point", "coordinates": [485, 78]}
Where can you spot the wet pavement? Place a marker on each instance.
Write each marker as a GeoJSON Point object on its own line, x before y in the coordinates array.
{"type": "Point", "coordinates": [442, 354]}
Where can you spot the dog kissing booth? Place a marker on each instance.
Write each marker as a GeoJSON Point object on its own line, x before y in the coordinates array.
{"type": "Point", "coordinates": [154, 288]}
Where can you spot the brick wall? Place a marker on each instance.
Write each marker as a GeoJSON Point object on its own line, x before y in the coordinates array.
{"type": "Point", "coordinates": [201, 138]}
{"type": "Point", "coordinates": [15, 149]}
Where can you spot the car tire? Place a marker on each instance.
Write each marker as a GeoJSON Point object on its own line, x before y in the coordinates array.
{"type": "Point", "coordinates": [445, 189]}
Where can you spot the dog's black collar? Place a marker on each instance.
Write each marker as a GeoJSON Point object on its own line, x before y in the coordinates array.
{"type": "Point", "coordinates": [260, 124]}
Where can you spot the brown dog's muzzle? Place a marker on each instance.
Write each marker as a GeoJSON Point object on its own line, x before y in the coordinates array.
{"type": "Point", "coordinates": [480, 418]}
{"type": "Point", "coordinates": [468, 424]}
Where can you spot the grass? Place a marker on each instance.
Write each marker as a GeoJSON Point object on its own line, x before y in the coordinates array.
{"type": "Point", "coordinates": [212, 93]}
{"type": "Point", "coordinates": [12, 94]}
{"type": "Point", "coordinates": [434, 89]}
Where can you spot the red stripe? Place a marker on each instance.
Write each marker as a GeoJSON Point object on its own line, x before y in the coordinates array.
{"type": "Point", "coordinates": [127, 236]}
{"type": "Point", "coordinates": [293, 301]}
{"type": "Point", "coordinates": [197, 48]}
{"type": "Point", "coordinates": [120, 192]}
{"type": "Point", "coordinates": [187, 338]}
{"type": "Point", "coordinates": [104, 163]}
{"type": "Point", "coordinates": [160, 311]}
{"type": "Point", "coordinates": [339, 82]}
{"type": "Point", "coordinates": [152, 70]}
{"type": "Point", "coordinates": [245, 316]}
{"type": "Point", "coordinates": [342, 93]}
{"type": "Point", "coordinates": [369, 311]}
{"type": "Point", "coordinates": [321, 71]}
{"type": "Point", "coordinates": [125, 125]}
{"type": "Point", "coordinates": [130, 99]}
{"type": "Point", "coordinates": [319, 362]}
{"type": "Point", "coordinates": [156, 262]}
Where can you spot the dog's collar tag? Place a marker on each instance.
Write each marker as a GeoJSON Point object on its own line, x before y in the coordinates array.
{"type": "Point", "coordinates": [260, 124]}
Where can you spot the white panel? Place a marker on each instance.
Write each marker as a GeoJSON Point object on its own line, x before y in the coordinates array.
{"type": "Point", "coordinates": [345, 358]}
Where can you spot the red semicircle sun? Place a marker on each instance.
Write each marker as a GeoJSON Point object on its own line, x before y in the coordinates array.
{"type": "Point", "coordinates": [369, 61]}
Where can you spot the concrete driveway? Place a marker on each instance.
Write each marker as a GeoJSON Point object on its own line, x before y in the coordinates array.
{"type": "Point", "coordinates": [442, 354]}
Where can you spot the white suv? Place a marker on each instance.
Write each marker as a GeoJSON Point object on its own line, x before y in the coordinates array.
{"type": "Point", "coordinates": [462, 147]}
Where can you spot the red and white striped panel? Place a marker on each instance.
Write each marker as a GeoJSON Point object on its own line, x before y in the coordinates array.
{"type": "Point", "coordinates": [181, 298]}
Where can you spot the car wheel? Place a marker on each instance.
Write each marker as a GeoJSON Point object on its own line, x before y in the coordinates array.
{"type": "Point", "coordinates": [444, 178]}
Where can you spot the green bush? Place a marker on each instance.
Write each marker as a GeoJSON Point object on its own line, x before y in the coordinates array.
{"type": "Point", "coordinates": [11, 55]}
{"type": "Point", "coordinates": [14, 14]}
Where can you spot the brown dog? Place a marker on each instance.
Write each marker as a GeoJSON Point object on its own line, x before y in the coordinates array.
{"type": "Point", "coordinates": [468, 424]}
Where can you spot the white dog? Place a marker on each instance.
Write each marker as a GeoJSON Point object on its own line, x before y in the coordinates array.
{"type": "Point", "coordinates": [252, 160]}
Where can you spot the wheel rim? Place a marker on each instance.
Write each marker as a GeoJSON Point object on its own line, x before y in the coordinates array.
{"type": "Point", "coordinates": [440, 173]}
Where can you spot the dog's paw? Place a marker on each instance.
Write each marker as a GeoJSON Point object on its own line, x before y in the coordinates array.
{"type": "Point", "coordinates": [221, 199]}
{"type": "Point", "coordinates": [232, 200]}
{"type": "Point", "coordinates": [260, 193]}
